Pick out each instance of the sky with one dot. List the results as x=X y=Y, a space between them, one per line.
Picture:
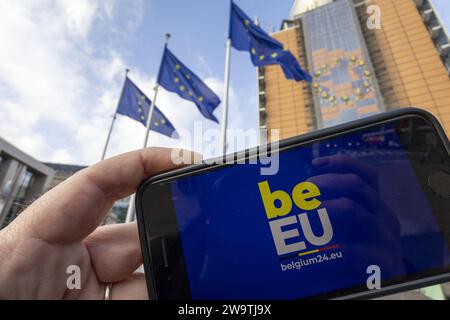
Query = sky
x=62 y=66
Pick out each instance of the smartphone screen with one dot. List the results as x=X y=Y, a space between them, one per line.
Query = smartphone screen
x=336 y=214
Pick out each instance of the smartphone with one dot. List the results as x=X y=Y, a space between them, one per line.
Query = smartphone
x=355 y=211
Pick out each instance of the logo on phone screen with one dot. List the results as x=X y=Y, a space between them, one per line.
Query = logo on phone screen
x=292 y=232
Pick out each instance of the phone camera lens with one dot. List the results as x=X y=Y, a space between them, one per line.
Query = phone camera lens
x=439 y=182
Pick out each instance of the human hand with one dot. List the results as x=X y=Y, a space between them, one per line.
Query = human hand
x=60 y=229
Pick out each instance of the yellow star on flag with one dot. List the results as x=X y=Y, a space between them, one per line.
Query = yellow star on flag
x=200 y=99
x=181 y=88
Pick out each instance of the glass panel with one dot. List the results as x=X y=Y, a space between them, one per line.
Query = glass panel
x=344 y=80
x=18 y=203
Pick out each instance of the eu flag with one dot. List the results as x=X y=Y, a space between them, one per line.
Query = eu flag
x=174 y=76
x=264 y=50
x=136 y=105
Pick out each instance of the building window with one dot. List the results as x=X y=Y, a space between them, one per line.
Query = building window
x=19 y=198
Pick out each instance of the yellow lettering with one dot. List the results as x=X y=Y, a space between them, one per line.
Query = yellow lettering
x=304 y=196
x=269 y=198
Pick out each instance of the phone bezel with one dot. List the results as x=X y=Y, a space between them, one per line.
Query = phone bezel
x=308 y=138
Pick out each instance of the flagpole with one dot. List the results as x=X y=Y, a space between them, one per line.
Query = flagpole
x=114 y=118
x=227 y=88
x=226 y=97
x=131 y=212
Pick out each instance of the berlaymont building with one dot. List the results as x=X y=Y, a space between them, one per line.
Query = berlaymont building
x=366 y=56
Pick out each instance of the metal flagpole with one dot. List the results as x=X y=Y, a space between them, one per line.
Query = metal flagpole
x=226 y=92
x=226 y=97
x=131 y=212
x=114 y=118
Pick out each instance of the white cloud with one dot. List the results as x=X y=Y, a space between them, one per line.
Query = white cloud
x=58 y=94
x=78 y=15
x=204 y=65
x=61 y=156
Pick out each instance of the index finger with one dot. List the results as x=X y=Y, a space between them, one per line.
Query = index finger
x=73 y=209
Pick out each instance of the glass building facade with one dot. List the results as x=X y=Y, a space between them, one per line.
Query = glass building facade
x=22 y=180
x=344 y=86
x=19 y=200
x=358 y=70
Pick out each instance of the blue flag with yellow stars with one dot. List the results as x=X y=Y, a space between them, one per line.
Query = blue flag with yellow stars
x=264 y=50
x=135 y=104
x=174 y=76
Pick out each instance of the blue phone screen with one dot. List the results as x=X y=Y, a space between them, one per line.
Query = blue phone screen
x=335 y=213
